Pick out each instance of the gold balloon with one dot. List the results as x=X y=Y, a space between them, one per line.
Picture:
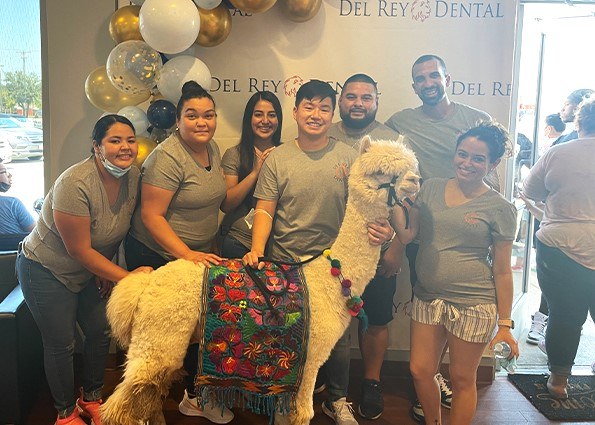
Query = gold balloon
x=253 y=6
x=104 y=95
x=215 y=25
x=145 y=147
x=124 y=24
x=300 y=10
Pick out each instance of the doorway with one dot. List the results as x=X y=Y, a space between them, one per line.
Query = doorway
x=555 y=59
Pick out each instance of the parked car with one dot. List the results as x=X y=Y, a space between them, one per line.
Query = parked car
x=26 y=142
x=5 y=149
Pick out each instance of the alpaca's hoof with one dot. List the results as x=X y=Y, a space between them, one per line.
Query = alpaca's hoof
x=282 y=419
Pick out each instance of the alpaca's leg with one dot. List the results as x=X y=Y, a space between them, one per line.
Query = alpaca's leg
x=304 y=400
x=157 y=418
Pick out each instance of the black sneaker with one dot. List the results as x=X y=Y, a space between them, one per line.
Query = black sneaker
x=372 y=403
x=417 y=412
x=445 y=391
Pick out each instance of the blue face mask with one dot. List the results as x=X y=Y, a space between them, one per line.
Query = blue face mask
x=114 y=170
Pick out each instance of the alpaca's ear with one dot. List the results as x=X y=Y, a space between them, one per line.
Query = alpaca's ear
x=364 y=144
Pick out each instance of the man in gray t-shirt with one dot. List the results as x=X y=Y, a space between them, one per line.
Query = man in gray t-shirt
x=358 y=104
x=303 y=185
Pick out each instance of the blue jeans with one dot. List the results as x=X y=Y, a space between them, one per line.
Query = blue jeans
x=232 y=248
x=336 y=369
x=569 y=289
x=56 y=311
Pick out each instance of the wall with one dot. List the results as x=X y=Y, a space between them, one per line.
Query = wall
x=75 y=40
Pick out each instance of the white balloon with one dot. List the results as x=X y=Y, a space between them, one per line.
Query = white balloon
x=133 y=66
x=207 y=4
x=190 y=51
x=179 y=70
x=169 y=26
x=137 y=117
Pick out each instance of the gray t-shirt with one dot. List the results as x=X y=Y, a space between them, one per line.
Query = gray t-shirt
x=452 y=262
x=198 y=193
x=434 y=141
x=234 y=221
x=564 y=178
x=79 y=191
x=376 y=130
x=311 y=193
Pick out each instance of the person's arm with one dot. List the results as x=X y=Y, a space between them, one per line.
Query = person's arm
x=535 y=208
x=261 y=230
x=534 y=184
x=501 y=253
x=238 y=190
x=154 y=204
x=390 y=262
x=75 y=232
x=25 y=220
x=406 y=228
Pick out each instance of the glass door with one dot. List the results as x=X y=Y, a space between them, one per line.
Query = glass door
x=555 y=59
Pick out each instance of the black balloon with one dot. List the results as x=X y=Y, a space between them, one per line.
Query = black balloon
x=162 y=114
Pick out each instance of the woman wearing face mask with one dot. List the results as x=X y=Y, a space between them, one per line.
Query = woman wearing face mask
x=65 y=266
x=14 y=217
x=181 y=192
x=261 y=133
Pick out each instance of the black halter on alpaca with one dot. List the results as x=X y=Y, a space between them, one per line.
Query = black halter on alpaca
x=393 y=200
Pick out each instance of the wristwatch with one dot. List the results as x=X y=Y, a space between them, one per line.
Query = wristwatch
x=509 y=323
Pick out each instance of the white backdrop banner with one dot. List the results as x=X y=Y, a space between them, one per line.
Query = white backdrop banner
x=381 y=38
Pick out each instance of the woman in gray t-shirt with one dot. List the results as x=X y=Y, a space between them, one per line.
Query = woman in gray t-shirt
x=65 y=266
x=181 y=192
x=261 y=133
x=460 y=292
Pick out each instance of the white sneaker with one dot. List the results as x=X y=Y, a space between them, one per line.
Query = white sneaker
x=538 y=325
x=340 y=411
x=541 y=345
x=214 y=413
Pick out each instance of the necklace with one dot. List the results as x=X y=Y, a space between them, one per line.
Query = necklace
x=354 y=303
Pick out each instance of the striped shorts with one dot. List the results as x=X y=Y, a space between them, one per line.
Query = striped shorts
x=472 y=324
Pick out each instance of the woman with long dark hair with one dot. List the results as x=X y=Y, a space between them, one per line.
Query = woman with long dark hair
x=261 y=133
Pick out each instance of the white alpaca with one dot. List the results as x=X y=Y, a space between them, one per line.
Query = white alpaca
x=154 y=314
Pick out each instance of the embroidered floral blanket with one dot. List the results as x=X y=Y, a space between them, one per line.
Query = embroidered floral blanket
x=254 y=341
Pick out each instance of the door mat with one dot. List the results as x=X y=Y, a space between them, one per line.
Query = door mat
x=580 y=405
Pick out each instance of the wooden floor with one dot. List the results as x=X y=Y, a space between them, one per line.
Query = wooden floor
x=498 y=404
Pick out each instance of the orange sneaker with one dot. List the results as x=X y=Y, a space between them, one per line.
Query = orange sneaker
x=89 y=409
x=73 y=419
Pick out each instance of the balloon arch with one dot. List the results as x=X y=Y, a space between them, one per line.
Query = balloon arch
x=153 y=57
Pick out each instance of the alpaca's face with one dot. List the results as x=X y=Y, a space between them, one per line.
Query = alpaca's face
x=385 y=170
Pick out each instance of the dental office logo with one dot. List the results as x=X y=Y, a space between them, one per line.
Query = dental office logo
x=292 y=85
x=421 y=10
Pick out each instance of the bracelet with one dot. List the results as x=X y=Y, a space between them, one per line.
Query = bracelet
x=260 y=210
x=393 y=236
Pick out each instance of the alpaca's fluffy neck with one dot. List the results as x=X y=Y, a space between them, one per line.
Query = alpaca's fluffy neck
x=358 y=258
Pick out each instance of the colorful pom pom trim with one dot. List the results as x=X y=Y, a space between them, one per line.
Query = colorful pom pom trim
x=354 y=303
